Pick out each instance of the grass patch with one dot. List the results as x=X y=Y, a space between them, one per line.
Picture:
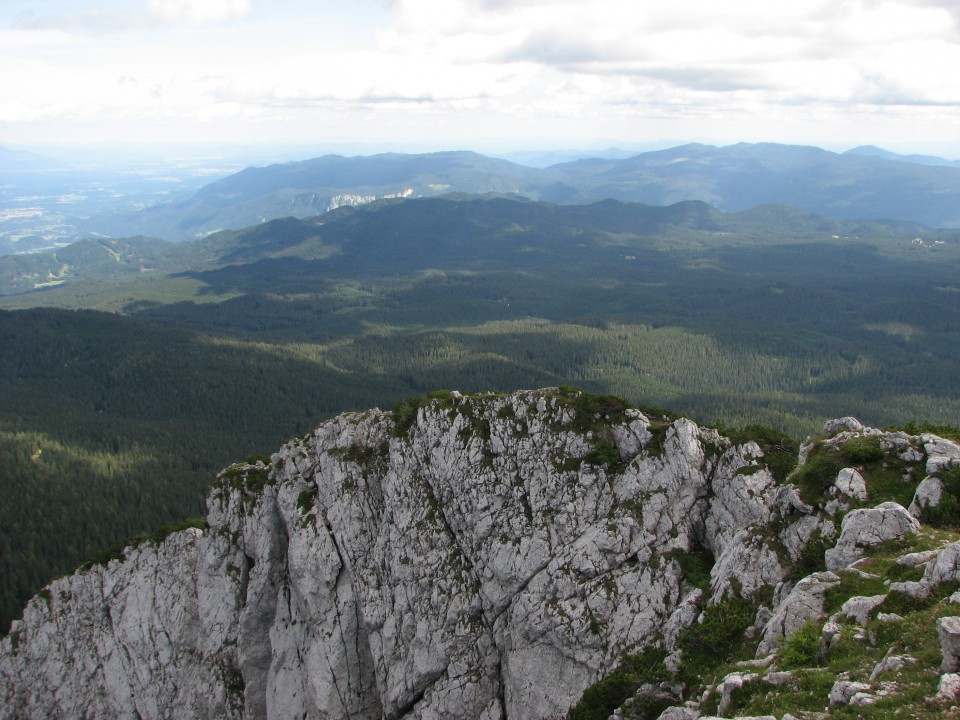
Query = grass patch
x=862 y=450
x=816 y=476
x=718 y=638
x=600 y=699
x=592 y=411
x=696 y=566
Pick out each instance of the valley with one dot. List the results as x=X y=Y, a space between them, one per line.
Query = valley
x=133 y=369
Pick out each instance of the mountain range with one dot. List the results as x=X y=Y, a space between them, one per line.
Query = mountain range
x=865 y=183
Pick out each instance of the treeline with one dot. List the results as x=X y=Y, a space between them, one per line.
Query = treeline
x=111 y=427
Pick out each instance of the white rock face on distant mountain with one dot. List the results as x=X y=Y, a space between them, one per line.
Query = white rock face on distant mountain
x=490 y=557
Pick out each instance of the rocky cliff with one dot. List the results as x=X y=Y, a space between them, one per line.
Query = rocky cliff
x=478 y=556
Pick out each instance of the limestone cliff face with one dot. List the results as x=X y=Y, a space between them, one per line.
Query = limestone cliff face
x=489 y=558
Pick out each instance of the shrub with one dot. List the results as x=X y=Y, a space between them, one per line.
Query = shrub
x=802 y=649
x=713 y=641
x=696 y=566
x=603 y=454
x=592 y=410
x=812 y=557
x=947 y=513
x=862 y=450
x=816 y=475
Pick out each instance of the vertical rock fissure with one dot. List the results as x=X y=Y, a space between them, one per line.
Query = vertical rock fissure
x=245 y=578
x=355 y=685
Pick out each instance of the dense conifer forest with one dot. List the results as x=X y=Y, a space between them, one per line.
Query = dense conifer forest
x=128 y=382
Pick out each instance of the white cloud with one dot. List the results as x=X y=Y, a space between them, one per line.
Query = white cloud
x=749 y=45
x=198 y=12
x=524 y=66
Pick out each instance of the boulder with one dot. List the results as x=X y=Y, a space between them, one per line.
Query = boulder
x=948 y=689
x=844 y=691
x=866 y=528
x=945 y=567
x=804 y=603
x=941 y=453
x=850 y=483
x=927 y=495
x=730 y=683
x=948 y=628
x=858 y=608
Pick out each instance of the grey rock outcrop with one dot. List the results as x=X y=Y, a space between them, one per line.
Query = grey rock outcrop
x=941 y=453
x=927 y=495
x=859 y=608
x=865 y=528
x=844 y=692
x=491 y=558
x=949 y=630
x=476 y=556
x=850 y=483
x=803 y=604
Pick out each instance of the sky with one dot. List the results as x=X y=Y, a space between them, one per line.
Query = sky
x=486 y=75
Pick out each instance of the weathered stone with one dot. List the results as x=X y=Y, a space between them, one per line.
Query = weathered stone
x=867 y=528
x=911 y=455
x=948 y=628
x=779 y=678
x=941 y=453
x=912 y=588
x=748 y=565
x=679 y=712
x=730 y=683
x=859 y=608
x=843 y=691
x=850 y=483
x=803 y=604
x=927 y=495
x=850 y=424
x=863 y=698
x=890 y=663
x=912 y=560
x=829 y=634
x=685 y=614
x=948 y=689
x=945 y=567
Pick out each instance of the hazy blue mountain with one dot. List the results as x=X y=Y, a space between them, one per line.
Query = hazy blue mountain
x=874 y=151
x=22 y=161
x=855 y=185
x=738 y=177
x=313 y=187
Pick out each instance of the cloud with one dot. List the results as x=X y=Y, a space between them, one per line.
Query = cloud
x=779 y=50
x=198 y=12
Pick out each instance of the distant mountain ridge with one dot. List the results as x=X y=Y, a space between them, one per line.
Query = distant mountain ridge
x=873 y=150
x=445 y=232
x=863 y=184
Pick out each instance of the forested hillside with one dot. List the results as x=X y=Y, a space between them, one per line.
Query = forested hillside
x=115 y=423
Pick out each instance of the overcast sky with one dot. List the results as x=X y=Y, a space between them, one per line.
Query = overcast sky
x=482 y=74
